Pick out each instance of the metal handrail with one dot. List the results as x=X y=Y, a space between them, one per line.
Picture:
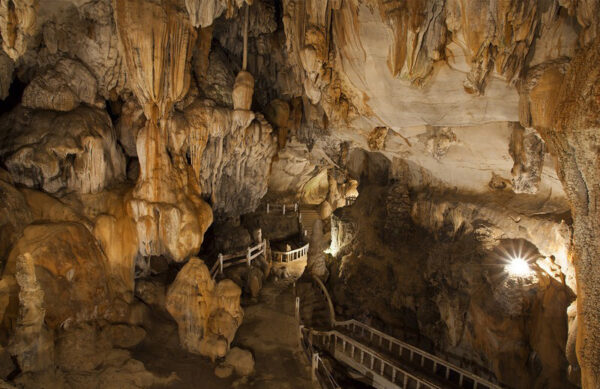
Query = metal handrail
x=326 y=379
x=383 y=362
x=293 y=255
x=462 y=373
x=423 y=354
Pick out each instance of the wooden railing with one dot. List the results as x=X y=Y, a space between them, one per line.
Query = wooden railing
x=247 y=256
x=290 y=256
x=350 y=200
x=427 y=361
x=282 y=208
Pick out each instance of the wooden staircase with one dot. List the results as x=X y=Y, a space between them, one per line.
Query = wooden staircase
x=308 y=215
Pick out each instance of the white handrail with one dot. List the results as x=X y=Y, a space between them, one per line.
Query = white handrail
x=369 y=364
x=282 y=207
x=350 y=200
x=247 y=256
x=462 y=373
x=326 y=382
x=289 y=256
x=415 y=350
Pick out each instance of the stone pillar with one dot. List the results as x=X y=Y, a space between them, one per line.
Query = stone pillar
x=316 y=257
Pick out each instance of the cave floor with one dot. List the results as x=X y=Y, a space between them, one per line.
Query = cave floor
x=269 y=330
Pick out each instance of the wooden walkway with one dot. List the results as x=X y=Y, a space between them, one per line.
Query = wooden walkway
x=384 y=361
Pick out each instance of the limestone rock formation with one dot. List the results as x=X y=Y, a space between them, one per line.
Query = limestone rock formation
x=454 y=290
x=115 y=230
x=70 y=268
x=203 y=13
x=235 y=166
x=6 y=74
x=130 y=122
x=207 y=314
x=84 y=32
x=315 y=264
x=14 y=213
x=73 y=151
x=62 y=88
x=570 y=130
x=216 y=81
x=32 y=342
x=171 y=216
x=18 y=25
x=242 y=361
x=468 y=127
x=527 y=150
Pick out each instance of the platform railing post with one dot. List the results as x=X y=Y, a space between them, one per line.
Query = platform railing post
x=267 y=208
x=221 y=263
x=284 y=209
x=248 y=260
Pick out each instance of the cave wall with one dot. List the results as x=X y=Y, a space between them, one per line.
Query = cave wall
x=436 y=277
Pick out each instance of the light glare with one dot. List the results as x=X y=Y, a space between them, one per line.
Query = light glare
x=518 y=267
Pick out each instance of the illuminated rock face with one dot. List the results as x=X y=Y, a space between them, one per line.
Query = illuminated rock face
x=569 y=124
x=454 y=289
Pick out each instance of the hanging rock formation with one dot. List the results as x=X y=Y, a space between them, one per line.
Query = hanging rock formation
x=157 y=42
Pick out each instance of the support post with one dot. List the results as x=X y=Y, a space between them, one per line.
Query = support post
x=267 y=208
x=314 y=365
x=284 y=209
x=295 y=207
x=298 y=309
x=221 y=263
x=248 y=255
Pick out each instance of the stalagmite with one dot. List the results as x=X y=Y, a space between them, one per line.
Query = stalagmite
x=315 y=264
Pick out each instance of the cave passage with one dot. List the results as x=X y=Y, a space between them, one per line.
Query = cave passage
x=299 y=194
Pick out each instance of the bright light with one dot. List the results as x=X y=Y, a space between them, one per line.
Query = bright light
x=518 y=267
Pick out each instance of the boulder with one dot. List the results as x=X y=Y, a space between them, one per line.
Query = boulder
x=124 y=336
x=242 y=361
x=223 y=371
